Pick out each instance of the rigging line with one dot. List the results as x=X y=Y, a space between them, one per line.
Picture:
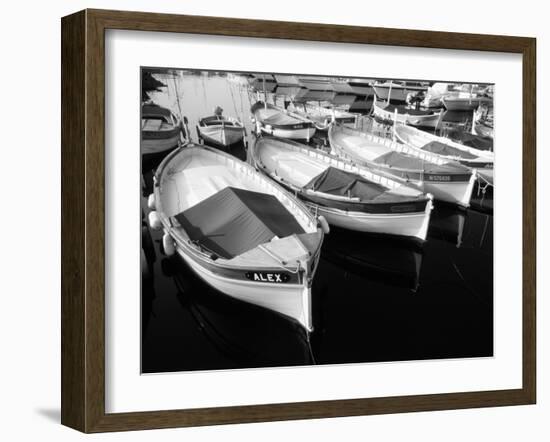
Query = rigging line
x=177 y=99
x=233 y=100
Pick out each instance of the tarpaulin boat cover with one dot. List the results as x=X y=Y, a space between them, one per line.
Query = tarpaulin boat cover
x=233 y=221
x=445 y=149
x=338 y=182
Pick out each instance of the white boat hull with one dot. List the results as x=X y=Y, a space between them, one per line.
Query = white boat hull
x=411 y=224
x=292 y=300
x=294 y=134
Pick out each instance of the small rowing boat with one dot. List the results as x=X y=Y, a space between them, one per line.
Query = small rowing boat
x=481 y=160
x=397 y=91
x=276 y=121
x=219 y=130
x=446 y=180
x=237 y=230
x=347 y=195
x=161 y=131
x=388 y=113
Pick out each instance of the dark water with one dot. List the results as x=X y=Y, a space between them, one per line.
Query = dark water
x=374 y=298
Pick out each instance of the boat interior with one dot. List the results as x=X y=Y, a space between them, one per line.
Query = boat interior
x=325 y=175
x=155 y=118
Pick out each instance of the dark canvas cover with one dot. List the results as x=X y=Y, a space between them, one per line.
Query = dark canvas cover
x=445 y=149
x=339 y=182
x=233 y=221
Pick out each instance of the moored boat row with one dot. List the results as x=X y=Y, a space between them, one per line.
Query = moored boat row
x=347 y=195
x=254 y=232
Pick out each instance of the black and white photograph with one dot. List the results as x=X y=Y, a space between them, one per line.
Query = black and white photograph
x=292 y=219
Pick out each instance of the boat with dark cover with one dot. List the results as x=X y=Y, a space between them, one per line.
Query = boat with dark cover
x=388 y=113
x=220 y=131
x=278 y=122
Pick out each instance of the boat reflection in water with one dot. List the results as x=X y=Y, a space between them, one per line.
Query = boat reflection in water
x=244 y=334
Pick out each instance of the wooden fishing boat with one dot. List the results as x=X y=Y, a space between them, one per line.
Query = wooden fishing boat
x=397 y=90
x=464 y=101
x=347 y=195
x=161 y=131
x=446 y=180
x=219 y=130
x=276 y=121
x=237 y=230
x=481 y=160
x=321 y=116
x=483 y=122
x=388 y=113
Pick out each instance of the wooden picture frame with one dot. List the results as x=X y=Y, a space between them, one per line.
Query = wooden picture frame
x=83 y=220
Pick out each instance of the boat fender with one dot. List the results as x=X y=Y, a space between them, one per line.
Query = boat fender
x=324 y=224
x=168 y=244
x=154 y=220
x=151 y=201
